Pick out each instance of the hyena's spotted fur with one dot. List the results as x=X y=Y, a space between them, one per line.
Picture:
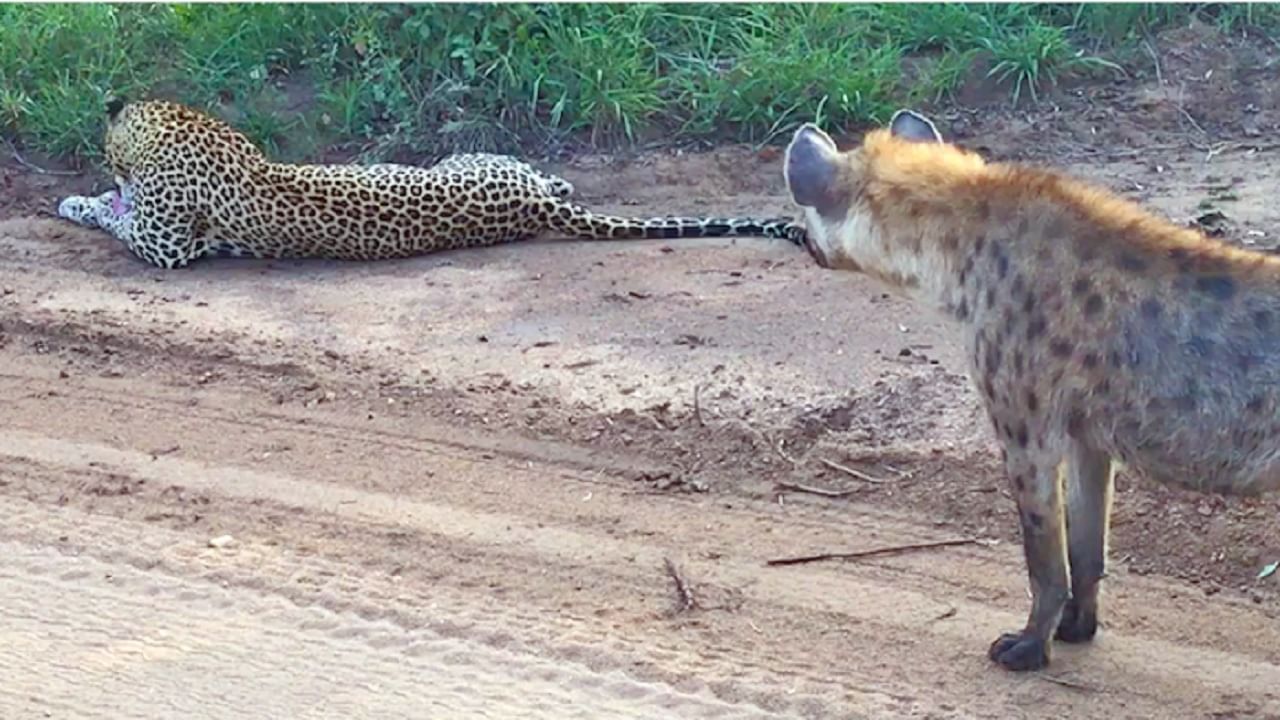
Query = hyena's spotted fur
x=1097 y=333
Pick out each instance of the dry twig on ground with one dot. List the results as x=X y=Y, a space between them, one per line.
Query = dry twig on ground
x=796 y=487
x=1064 y=682
x=876 y=552
x=697 y=405
x=851 y=472
x=798 y=462
x=17 y=156
x=683 y=589
x=777 y=447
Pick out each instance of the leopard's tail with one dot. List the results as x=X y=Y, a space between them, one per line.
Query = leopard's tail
x=582 y=224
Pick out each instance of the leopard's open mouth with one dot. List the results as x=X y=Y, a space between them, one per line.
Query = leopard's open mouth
x=120 y=206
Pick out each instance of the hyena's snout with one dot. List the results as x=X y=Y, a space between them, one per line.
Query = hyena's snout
x=815 y=251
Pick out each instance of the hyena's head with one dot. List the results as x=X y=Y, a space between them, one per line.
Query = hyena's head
x=886 y=206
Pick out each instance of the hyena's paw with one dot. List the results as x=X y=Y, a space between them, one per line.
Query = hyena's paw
x=1019 y=651
x=1078 y=624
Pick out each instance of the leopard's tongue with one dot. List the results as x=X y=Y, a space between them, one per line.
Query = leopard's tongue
x=118 y=205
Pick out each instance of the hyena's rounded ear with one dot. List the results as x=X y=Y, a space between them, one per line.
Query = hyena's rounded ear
x=812 y=167
x=913 y=126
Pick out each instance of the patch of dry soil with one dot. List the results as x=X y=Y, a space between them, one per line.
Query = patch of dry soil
x=452 y=484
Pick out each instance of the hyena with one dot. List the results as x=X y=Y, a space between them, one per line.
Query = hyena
x=1096 y=332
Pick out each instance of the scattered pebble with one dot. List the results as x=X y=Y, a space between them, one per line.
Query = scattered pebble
x=222 y=541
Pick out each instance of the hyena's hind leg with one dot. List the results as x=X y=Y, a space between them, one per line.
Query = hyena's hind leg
x=1090 y=478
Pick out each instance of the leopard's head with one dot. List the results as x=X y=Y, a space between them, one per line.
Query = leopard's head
x=121 y=138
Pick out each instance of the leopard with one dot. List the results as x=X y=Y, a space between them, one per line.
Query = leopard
x=1098 y=335
x=189 y=185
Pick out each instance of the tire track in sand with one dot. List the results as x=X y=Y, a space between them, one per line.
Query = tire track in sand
x=1146 y=672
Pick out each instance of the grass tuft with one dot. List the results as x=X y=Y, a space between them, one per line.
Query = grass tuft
x=389 y=79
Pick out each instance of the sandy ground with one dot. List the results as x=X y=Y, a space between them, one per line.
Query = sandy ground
x=543 y=480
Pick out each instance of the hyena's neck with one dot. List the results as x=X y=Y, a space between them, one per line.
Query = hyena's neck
x=944 y=254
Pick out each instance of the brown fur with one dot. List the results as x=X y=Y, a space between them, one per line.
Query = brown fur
x=1096 y=332
x=192 y=185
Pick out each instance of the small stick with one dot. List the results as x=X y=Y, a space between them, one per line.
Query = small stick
x=891 y=550
x=777 y=447
x=683 y=589
x=697 y=405
x=1182 y=89
x=905 y=474
x=1067 y=683
x=851 y=472
x=32 y=166
x=947 y=614
x=1155 y=59
x=1218 y=149
x=656 y=422
x=1192 y=120
x=796 y=487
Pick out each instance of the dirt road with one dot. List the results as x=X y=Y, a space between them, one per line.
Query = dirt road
x=542 y=481
x=410 y=539
x=391 y=567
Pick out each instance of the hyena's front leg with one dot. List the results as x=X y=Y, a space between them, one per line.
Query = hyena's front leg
x=1037 y=484
x=1090 y=478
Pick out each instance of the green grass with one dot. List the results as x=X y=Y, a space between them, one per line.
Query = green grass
x=436 y=78
x=1036 y=53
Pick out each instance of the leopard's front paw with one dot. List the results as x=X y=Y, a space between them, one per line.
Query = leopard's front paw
x=80 y=210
